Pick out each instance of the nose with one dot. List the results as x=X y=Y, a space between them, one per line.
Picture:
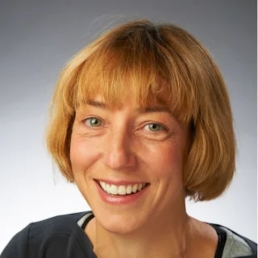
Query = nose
x=119 y=153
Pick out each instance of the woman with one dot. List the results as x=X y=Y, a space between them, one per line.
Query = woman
x=140 y=120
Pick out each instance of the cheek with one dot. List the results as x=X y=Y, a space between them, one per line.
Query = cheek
x=82 y=154
x=167 y=159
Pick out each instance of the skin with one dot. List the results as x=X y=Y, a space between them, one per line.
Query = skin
x=143 y=146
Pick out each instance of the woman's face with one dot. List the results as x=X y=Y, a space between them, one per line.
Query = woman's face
x=128 y=163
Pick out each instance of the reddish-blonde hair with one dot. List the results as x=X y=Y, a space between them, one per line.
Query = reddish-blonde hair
x=152 y=63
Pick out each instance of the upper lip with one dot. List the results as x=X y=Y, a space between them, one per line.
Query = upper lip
x=120 y=182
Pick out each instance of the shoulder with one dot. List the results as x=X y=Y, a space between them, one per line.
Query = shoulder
x=57 y=224
x=55 y=236
x=235 y=245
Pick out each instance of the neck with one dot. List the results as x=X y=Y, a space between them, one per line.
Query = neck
x=163 y=238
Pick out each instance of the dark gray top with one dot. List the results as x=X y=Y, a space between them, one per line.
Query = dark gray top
x=64 y=237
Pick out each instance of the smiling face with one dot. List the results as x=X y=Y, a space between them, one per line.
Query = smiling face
x=128 y=164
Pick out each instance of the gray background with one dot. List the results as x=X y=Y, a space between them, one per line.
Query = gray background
x=38 y=37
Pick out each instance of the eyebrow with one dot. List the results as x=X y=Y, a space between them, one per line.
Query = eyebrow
x=96 y=103
x=103 y=105
x=153 y=109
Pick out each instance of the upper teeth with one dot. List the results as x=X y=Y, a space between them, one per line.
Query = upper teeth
x=121 y=189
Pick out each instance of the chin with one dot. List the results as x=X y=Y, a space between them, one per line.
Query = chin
x=119 y=223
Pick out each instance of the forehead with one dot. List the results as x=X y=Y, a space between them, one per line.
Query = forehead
x=100 y=103
x=142 y=101
x=151 y=103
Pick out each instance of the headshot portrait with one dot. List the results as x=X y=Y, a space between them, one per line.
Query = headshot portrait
x=129 y=130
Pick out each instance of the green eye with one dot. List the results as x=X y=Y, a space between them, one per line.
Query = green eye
x=154 y=127
x=93 y=122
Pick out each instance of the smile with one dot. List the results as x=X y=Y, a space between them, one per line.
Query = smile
x=122 y=189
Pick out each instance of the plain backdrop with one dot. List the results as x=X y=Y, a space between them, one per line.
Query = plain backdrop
x=38 y=37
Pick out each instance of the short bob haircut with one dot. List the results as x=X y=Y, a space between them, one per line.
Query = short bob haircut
x=153 y=64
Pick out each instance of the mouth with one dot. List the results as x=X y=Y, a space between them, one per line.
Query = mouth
x=119 y=190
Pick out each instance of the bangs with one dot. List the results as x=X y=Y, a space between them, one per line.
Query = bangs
x=148 y=74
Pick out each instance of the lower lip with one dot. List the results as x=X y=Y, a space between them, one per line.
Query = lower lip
x=120 y=199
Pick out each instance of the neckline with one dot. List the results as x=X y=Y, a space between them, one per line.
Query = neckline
x=222 y=236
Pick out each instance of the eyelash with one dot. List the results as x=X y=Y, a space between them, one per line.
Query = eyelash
x=162 y=128
x=90 y=119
